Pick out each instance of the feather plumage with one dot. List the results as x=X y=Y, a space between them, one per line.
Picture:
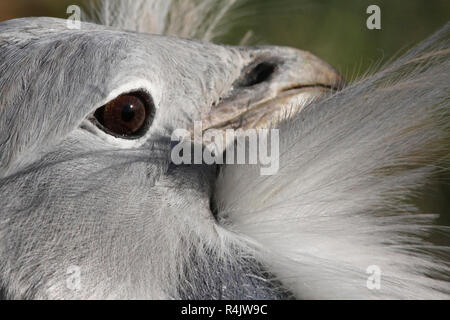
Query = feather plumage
x=348 y=165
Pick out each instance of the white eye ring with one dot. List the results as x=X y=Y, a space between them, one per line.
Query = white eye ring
x=139 y=85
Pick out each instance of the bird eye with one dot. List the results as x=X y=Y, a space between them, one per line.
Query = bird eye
x=127 y=116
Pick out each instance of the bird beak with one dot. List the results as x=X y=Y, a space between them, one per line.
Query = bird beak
x=275 y=84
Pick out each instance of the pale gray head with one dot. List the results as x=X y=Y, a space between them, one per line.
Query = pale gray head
x=99 y=192
x=86 y=182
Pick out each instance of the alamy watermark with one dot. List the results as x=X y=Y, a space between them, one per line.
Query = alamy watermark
x=374 y=20
x=73 y=280
x=252 y=146
x=74 y=20
x=374 y=280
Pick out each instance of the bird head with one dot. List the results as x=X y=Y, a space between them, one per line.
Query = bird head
x=87 y=179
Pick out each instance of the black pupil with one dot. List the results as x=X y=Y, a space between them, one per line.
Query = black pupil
x=128 y=113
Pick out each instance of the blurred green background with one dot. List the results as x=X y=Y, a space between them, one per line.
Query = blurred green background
x=335 y=30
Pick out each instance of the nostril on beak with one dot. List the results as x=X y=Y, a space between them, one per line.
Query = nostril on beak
x=257 y=73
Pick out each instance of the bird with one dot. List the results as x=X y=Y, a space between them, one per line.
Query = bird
x=93 y=207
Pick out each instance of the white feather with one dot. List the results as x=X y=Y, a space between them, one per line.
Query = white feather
x=347 y=166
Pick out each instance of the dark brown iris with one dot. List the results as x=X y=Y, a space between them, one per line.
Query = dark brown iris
x=126 y=115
